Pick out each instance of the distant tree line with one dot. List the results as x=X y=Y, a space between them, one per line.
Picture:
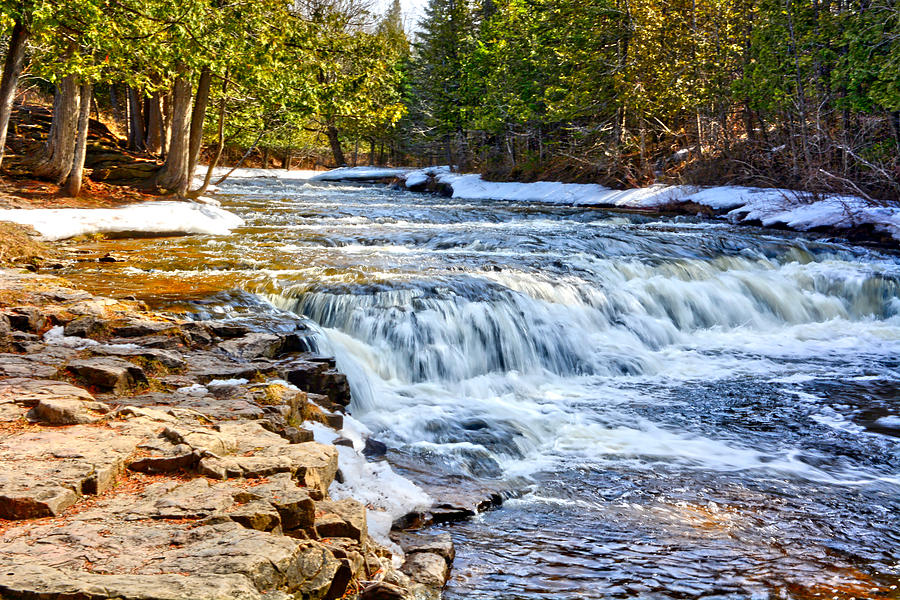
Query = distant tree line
x=802 y=93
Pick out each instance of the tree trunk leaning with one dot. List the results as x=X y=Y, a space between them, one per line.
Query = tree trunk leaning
x=174 y=174
x=76 y=175
x=59 y=151
x=197 y=117
x=12 y=68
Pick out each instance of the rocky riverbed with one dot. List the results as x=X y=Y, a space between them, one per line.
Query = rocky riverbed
x=145 y=457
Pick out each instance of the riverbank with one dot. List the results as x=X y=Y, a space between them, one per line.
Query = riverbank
x=849 y=217
x=148 y=457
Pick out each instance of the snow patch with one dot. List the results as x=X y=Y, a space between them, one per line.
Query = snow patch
x=56 y=337
x=769 y=206
x=360 y=173
x=149 y=217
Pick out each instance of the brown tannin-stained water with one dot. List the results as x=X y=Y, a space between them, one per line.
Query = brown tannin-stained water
x=673 y=408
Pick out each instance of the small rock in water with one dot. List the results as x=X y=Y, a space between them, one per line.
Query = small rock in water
x=374 y=448
x=109 y=257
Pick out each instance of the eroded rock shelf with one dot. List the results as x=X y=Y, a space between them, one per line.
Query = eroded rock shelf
x=143 y=457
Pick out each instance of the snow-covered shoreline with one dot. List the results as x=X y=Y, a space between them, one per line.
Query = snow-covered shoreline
x=149 y=218
x=770 y=207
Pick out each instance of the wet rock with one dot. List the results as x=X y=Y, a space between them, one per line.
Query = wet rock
x=426 y=568
x=205 y=367
x=440 y=544
x=227 y=329
x=110 y=257
x=445 y=513
x=342 y=441
x=374 y=448
x=110 y=373
x=318 y=378
x=341 y=519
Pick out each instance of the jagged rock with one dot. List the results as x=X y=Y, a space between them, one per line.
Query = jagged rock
x=198 y=333
x=84 y=327
x=29 y=392
x=319 y=378
x=166 y=464
x=341 y=519
x=382 y=591
x=109 y=373
x=5 y=330
x=297 y=435
x=444 y=513
x=37 y=582
x=26 y=318
x=254 y=345
x=206 y=366
x=427 y=569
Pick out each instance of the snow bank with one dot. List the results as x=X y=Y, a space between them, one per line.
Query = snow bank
x=360 y=174
x=769 y=206
x=281 y=174
x=146 y=218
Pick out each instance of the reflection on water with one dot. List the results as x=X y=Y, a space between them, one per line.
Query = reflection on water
x=675 y=409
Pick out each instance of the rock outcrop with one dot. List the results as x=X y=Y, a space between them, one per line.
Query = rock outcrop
x=147 y=458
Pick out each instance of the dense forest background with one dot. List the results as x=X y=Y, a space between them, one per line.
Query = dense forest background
x=800 y=94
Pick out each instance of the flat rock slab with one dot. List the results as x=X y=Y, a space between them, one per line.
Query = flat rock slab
x=37 y=582
x=44 y=471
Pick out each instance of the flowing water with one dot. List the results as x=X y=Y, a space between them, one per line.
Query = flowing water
x=673 y=408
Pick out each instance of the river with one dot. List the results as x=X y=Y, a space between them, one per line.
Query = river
x=673 y=408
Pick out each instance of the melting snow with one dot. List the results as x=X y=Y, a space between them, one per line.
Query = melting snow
x=769 y=206
x=149 y=217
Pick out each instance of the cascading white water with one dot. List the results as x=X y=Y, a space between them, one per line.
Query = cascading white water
x=678 y=408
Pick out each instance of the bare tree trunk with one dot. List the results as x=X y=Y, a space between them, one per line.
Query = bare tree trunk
x=154 y=137
x=135 y=121
x=59 y=151
x=197 y=117
x=335 y=141
x=12 y=68
x=174 y=175
x=220 y=144
x=371 y=151
x=167 y=122
x=76 y=175
x=265 y=158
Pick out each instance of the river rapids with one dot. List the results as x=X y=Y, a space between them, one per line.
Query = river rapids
x=672 y=408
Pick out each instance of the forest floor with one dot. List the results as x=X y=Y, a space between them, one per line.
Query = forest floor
x=27 y=192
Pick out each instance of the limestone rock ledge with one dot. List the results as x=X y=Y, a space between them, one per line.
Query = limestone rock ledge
x=144 y=458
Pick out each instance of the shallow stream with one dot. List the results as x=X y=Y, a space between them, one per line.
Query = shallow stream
x=673 y=408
